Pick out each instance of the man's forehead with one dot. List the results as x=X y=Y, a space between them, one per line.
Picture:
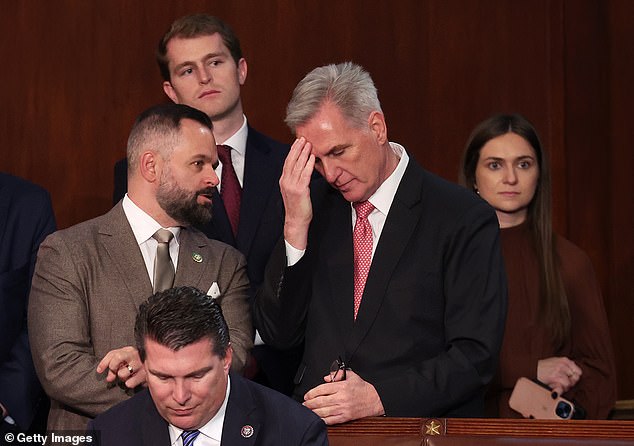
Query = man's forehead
x=203 y=45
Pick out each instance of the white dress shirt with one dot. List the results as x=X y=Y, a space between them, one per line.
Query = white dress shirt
x=143 y=226
x=238 y=144
x=210 y=433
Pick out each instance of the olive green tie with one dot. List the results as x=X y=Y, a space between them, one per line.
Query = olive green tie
x=163 y=266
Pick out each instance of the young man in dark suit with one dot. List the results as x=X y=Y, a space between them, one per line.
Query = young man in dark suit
x=392 y=277
x=202 y=66
x=26 y=218
x=192 y=398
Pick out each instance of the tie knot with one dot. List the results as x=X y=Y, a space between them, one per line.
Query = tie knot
x=189 y=437
x=363 y=208
x=163 y=235
x=224 y=154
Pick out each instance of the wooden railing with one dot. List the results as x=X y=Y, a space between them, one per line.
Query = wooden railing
x=415 y=430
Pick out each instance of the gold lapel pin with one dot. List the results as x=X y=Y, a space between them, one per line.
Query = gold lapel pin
x=197 y=257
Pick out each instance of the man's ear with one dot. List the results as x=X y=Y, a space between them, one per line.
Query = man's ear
x=170 y=92
x=150 y=164
x=228 y=359
x=242 y=71
x=377 y=125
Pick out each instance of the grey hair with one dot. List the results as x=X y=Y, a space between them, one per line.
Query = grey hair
x=346 y=85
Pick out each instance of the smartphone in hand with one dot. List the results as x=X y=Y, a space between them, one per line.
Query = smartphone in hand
x=536 y=400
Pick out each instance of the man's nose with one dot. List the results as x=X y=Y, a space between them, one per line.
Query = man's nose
x=181 y=393
x=204 y=74
x=211 y=178
x=329 y=171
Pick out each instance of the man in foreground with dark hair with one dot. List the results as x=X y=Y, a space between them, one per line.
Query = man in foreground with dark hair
x=192 y=398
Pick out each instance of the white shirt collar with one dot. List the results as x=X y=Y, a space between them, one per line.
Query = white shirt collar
x=238 y=141
x=384 y=196
x=212 y=429
x=143 y=226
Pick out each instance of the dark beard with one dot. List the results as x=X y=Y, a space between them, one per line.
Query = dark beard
x=182 y=206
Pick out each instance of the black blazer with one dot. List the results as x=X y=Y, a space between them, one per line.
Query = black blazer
x=431 y=320
x=276 y=420
x=261 y=208
x=26 y=218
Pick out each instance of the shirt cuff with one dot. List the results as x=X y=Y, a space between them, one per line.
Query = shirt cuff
x=293 y=255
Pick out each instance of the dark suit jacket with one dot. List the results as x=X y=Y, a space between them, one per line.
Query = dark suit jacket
x=431 y=320
x=26 y=218
x=261 y=208
x=275 y=418
x=88 y=283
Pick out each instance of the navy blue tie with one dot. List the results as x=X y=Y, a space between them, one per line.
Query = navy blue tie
x=189 y=437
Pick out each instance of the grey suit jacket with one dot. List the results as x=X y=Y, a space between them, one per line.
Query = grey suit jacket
x=88 y=284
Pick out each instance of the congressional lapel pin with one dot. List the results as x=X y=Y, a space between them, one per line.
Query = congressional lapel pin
x=197 y=257
x=246 y=431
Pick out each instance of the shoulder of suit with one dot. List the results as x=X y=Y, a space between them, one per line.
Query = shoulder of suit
x=257 y=138
x=447 y=194
x=80 y=232
x=199 y=238
x=274 y=403
x=22 y=191
x=129 y=408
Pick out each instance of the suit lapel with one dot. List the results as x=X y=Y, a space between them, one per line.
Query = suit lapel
x=219 y=228
x=402 y=219
x=118 y=240
x=243 y=419
x=337 y=243
x=260 y=180
x=193 y=259
x=154 y=430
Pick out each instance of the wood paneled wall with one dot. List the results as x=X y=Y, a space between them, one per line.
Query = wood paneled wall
x=75 y=74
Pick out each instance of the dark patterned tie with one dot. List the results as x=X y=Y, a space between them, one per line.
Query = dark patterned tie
x=189 y=437
x=230 y=189
x=362 y=243
x=163 y=266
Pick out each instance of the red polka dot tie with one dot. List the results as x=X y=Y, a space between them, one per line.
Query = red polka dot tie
x=230 y=189
x=362 y=242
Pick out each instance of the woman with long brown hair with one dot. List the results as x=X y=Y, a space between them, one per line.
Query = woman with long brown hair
x=556 y=327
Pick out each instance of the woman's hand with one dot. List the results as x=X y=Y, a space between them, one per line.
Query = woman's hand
x=559 y=373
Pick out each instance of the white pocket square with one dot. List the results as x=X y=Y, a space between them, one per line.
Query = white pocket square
x=214 y=291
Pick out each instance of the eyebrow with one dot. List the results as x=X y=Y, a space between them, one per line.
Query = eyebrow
x=496 y=158
x=205 y=57
x=202 y=371
x=338 y=147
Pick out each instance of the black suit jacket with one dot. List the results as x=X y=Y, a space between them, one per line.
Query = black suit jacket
x=261 y=208
x=431 y=320
x=26 y=218
x=275 y=418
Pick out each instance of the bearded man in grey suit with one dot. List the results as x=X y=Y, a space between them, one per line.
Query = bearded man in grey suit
x=91 y=278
